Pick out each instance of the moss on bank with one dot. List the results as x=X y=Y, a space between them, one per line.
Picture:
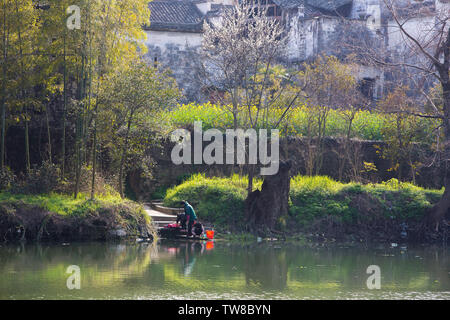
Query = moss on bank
x=61 y=217
x=318 y=205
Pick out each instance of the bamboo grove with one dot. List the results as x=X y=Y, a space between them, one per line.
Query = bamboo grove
x=90 y=81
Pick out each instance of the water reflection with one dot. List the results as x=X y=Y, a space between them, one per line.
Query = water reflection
x=185 y=253
x=266 y=267
x=177 y=270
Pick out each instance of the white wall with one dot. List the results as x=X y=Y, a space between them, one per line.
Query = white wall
x=303 y=36
x=419 y=28
x=163 y=38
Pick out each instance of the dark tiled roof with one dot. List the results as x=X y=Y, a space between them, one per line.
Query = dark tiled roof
x=328 y=5
x=288 y=4
x=217 y=10
x=175 y=16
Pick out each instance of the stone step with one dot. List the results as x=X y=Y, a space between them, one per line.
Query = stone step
x=164 y=222
x=167 y=210
x=163 y=218
x=157 y=205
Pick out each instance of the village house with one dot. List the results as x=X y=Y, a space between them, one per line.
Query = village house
x=312 y=27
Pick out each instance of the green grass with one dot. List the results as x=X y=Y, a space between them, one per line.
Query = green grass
x=69 y=218
x=313 y=198
x=66 y=205
x=221 y=200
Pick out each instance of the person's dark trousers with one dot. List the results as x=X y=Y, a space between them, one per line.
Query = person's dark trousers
x=190 y=224
x=182 y=219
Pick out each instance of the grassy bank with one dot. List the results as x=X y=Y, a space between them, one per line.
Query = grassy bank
x=318 y=205
x=218 y=200
x=61 y=217
x=317 y=197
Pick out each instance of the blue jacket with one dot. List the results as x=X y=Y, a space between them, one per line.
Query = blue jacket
x=189 y=211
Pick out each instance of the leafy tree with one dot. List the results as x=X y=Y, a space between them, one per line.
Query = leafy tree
x=240 y=57
x=330 y=84
x=430 y=62
x=132 y=95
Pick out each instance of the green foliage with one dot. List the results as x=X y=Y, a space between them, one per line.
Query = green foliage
x=218 y=200
x=159 y=193
x=44 y=64
x=404 y=200
x=66 y=205
x=129 y=101
x=367 y=125
x=318 y=197
x=7 y=178
x=331 y=83
x=402 y=130
x=43 y=179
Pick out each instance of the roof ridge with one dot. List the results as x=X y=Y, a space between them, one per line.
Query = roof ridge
x=175 y=15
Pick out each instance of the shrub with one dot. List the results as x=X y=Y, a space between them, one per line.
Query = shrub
x=102 y=185
x=7 y=178
x=312 y=200
x=39 y=180
x=367 y=125
x=217 y=200
x=318 y=197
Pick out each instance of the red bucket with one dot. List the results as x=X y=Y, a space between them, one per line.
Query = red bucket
x=210 y=234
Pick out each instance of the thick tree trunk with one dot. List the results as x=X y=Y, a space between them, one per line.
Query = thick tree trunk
x=441 y=210
x=265 y=207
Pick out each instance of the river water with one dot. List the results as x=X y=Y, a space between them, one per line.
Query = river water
x=220 y=270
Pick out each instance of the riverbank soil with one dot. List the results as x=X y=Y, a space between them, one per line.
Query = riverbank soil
x=21 y=221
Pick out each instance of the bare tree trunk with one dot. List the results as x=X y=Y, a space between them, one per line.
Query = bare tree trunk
x=48 y=136
x=27 y=144
x=94 y=162
x=123 y=157
x=63 y=142
x=79 y=130
x=3 y=106
x=251 y=174
x=94 y=145
x=77 y=159
x=441 y=63
x=22 y=93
